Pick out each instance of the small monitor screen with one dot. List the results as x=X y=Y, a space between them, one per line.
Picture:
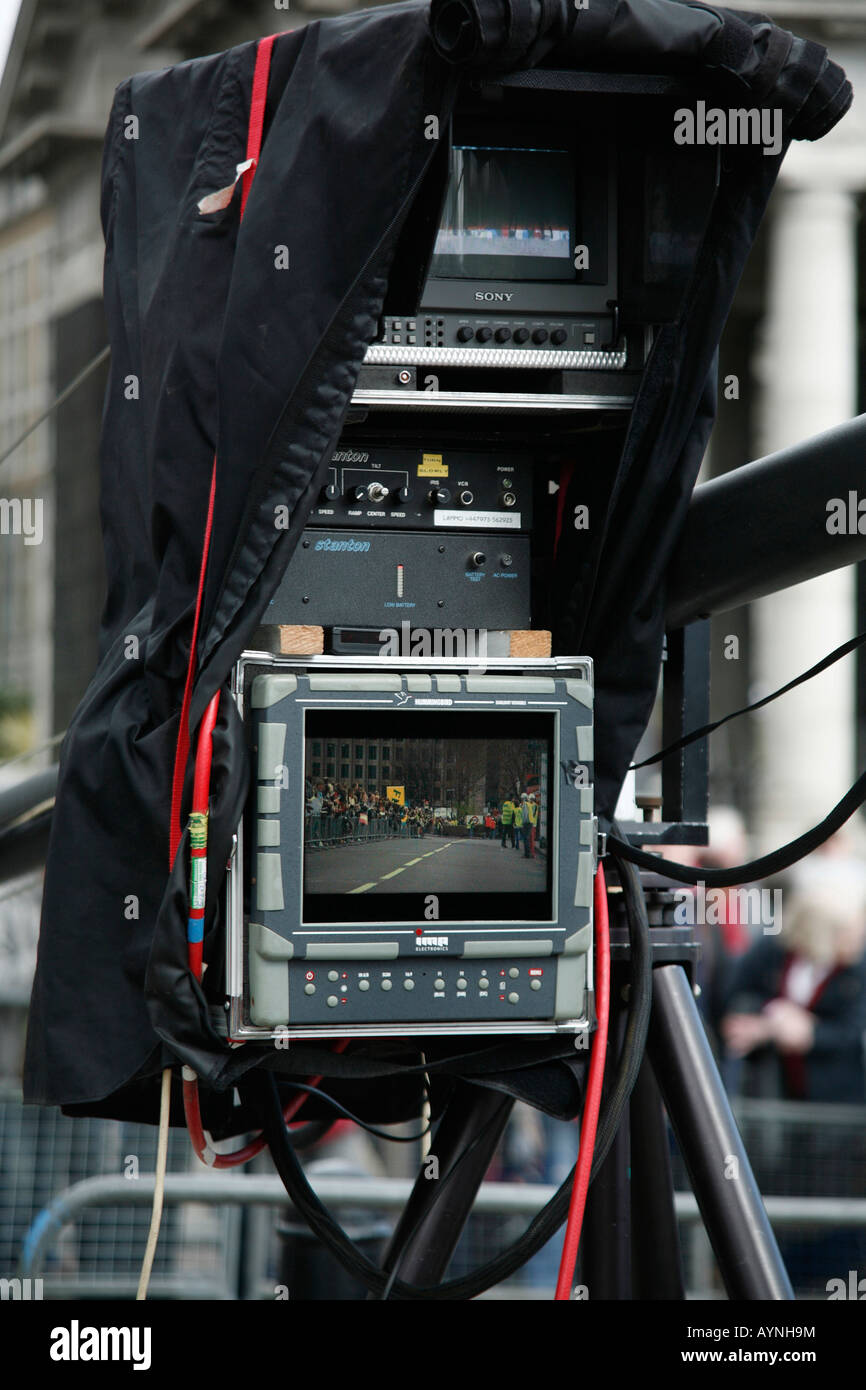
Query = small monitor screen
x=509 y=215
x=407 y=806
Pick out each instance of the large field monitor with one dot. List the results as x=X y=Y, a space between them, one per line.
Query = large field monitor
x=418 y=848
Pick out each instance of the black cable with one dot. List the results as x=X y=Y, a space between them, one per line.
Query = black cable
x=362 y=1124
x=64 y=396
x=313 y=1132
x=846 y=648
x=772 y=863
x=545 y=1224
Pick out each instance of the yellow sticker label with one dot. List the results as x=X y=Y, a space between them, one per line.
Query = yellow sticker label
x=396 y=794
x=431 y=466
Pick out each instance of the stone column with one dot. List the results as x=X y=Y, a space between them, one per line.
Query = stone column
x=806 y=371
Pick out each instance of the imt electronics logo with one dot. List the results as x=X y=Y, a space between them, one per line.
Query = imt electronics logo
x=431 y=943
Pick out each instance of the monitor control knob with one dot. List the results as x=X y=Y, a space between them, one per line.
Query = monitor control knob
x=540 y=335
x=521 y=335
x=484 y=335
x=359 y=493
x=377 y=492
x=464 y=333
x=502 y=335
x=478 y=559
x=330 y=492
x=558 y=336
x=403 y=494
x=438 y=495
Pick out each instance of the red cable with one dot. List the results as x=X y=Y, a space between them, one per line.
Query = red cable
x=201 y=788
x=182 y=750
x=593 y=1093
x=192 y=1113
x=254 y=144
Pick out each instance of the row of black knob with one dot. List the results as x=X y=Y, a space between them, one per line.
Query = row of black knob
x=378 y=493
x=502 y=335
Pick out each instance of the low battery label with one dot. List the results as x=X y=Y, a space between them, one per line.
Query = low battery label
x=472 y=521
x=431 y=466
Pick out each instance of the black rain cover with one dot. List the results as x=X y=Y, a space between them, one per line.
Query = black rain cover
x=217 y=350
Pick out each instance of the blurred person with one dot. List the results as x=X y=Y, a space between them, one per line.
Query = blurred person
x=798 y=1009
x=724 y=936
x=507 y=821
x=517 y=824
x=532 y=825
x=800 y=996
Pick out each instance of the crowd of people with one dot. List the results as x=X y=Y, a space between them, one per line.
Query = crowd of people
x=339 y=815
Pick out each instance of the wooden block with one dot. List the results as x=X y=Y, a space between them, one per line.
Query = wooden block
x=526 y=643
x=296 y=640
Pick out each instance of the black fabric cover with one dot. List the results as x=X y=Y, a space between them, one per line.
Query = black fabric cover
x=216 y=350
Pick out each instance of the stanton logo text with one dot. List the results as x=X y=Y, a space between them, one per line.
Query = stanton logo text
x=328 y=544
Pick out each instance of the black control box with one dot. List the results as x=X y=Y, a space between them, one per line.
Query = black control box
x=389 y=488
x=435 y=536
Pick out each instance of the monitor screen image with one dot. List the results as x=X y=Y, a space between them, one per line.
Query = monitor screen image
x=509 y=215
x=403 y=806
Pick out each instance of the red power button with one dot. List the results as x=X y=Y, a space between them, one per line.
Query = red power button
x=310 y=975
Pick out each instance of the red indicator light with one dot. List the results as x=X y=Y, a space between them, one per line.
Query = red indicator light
x=502 y=996
x=419 y=931
x=344 y=1001
x=345 y=975
x=310 y=975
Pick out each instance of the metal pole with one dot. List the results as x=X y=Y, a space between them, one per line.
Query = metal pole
x=429 y=1228
x=657 y=1268
x=706 y=1131
x=763 y=527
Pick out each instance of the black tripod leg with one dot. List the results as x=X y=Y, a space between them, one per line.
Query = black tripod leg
x=706 y=1131
x=605 y=1264
x=657 y=1271
x=429 y=1228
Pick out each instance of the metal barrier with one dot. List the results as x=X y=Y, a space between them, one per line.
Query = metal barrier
x=323 y=832
x=499 y=1198
x=43 y=1152
x=89 y=1240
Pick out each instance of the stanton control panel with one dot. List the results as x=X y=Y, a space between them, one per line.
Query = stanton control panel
x=389 y=488
x=436 y=536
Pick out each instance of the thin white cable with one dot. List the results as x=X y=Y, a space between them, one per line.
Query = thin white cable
x=158 y=1187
